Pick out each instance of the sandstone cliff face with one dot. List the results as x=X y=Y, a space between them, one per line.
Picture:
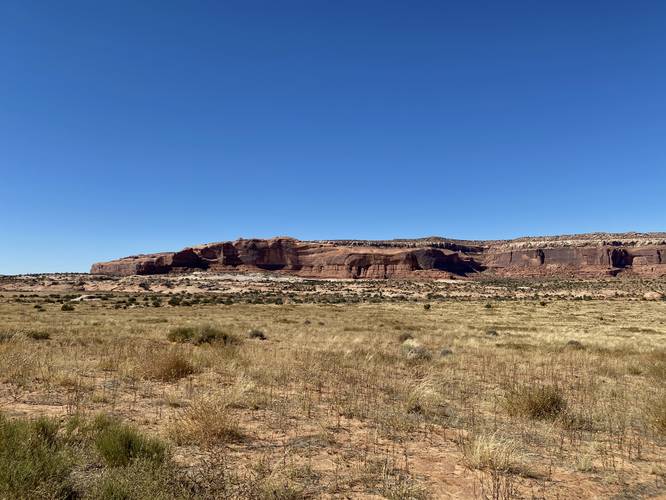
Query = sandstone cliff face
x=579 y=260
x=136 y=264
x=302 y=258
x=582 y=255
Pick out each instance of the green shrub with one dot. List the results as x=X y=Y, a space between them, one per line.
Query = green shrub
x=67 y=307
x=119 y=445
x=181 y=334
x=138 y=481
x=33 y=461
x=539 y=402
x=201 y=334
x=46 y=430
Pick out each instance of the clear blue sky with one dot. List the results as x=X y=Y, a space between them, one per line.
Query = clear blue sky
x=139 y=126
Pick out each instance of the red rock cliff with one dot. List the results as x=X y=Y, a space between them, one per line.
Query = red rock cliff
x=581 y=255
x=303 y=258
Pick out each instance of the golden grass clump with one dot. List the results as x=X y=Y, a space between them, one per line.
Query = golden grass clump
x=415 y=352
x=426 y=398
x=168 y=365
x=208 y=421
x=17 y=362
x=494 y=453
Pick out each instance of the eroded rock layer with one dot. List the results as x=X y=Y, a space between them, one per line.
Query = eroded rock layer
x=580 y=255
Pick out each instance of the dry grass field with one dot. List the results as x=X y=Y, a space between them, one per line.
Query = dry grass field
x=138 y=395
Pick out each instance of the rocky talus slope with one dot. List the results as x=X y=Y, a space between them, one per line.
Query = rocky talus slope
x=589 y=255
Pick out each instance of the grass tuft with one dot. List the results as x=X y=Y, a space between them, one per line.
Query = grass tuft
x=414 y=351
x=256 y=334
x=494 y=453
x=657 y=413
x=168 y=366
x=206 y=422
x=536 y=402
x=202 y=334
x=119 y=445
x=7 y=337
x=33 y=462
x=574 y=345
x=38 y=335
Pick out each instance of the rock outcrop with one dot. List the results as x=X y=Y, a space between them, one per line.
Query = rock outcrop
x=316 y=259
x=580 y=255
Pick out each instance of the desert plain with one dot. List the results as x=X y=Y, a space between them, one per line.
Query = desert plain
x=228 y=385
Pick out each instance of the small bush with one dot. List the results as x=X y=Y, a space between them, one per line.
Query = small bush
x=426 y=398
x=139 y=480
x=46 y=430
x=120 y=444
x=256 y=334
x=207 y=421
x=33 y=462
x=31 y=334
x=38 y=335
x=201 y=334
x=169 y=366
x=67 y=307
x=181 y=334
x=574 y=345
x=414 y=351
x=541 y=402
x=490 y=452
x=426 y=307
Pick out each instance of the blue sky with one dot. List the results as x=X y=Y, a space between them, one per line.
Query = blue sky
x=140 y=126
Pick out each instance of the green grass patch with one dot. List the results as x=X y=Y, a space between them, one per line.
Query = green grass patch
x=34 y=462
x=119 y=445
